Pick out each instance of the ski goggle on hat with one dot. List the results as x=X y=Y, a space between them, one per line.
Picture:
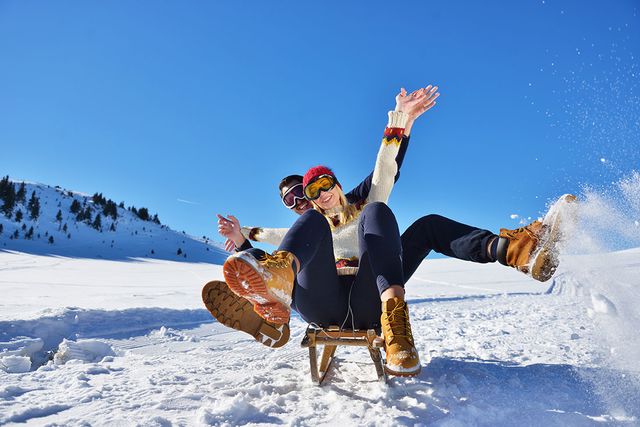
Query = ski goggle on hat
x=318 y=184
x=292 y=196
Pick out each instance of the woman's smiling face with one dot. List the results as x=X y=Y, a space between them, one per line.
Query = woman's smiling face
x=328 y=199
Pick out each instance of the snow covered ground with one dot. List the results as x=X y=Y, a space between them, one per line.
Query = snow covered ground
x=133 y=345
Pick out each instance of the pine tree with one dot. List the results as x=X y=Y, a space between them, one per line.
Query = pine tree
x=8 y=196
x=34 y=206
x=97 y=223
x=19 y=216
x=51 y=240
x=110 y=209
x=1 y=228
x=179 y=251
x=22 y=193
x=75 y=206
x=59 y=216
x=113 y=227
x=64 y=227
x=86 y=215
x=29 y=234
x=143 y=214
x=99 y=199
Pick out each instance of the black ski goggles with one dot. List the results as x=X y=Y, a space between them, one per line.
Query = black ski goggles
x=319 y=184
x=293 y=196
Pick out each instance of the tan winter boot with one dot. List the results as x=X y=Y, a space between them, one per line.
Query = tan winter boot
x=532 y=249
x=266 y=282
x=237 y=313
x=402 y=356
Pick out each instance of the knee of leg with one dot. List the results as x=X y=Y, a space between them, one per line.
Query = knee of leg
x=430 y=220
x=311 y=215
x=315 y=218
x=377 y=207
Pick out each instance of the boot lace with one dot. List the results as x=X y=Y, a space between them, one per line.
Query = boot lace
x=398 y=325
x=511 y=234
x=279 y=259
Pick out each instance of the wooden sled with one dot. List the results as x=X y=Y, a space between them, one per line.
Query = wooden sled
x=332 y=337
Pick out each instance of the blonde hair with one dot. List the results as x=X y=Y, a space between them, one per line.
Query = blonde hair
x=346 y=213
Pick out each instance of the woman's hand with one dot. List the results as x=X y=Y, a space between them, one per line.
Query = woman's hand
x=230 y=228
x=417 y=102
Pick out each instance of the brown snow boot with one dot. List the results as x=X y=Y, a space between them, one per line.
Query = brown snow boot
x=402 y=356
x=266 y=281
x=533 y=249
x=237 y=313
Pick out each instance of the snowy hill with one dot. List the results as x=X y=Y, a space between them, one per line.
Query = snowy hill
x=78 y=225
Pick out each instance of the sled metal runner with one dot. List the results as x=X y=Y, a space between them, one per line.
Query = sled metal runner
x=332 y=337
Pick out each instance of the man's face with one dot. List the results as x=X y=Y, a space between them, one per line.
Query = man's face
x=302 y=205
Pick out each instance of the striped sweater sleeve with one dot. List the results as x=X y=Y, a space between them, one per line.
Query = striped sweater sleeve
x=272 y=236
x=386 y=167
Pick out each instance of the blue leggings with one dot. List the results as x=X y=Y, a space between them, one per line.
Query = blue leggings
x=322 y=297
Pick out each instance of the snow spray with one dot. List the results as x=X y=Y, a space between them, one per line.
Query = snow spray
x=608 y=220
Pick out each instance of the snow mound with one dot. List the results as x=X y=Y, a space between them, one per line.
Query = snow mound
x=15 y=364
x=84 y=350
x=38 y=338
x=16 y=355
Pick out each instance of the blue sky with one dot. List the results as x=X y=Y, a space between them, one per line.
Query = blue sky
x=194 y=108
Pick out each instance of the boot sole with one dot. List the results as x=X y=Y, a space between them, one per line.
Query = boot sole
x=402 y=374
x=236 y=312
x=545 y=262
x=245 y=281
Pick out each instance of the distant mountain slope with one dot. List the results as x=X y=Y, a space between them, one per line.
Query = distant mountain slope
x=40 y=219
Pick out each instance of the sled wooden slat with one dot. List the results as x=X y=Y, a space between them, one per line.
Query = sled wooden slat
x=331 y=338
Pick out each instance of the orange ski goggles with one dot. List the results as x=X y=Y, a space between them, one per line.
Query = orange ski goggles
x=319 y=184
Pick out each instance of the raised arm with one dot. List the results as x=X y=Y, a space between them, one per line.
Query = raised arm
x=361 y=191
x=272 y=236
x=416 y=104
x=238 y=237
x=386 y=168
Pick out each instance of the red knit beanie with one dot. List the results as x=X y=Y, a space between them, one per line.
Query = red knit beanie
x=315 y=172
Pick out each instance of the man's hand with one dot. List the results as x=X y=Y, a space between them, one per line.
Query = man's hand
x=230 y=228
x=417 y=102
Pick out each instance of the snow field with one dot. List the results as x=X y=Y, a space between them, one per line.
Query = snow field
x=502 y=351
